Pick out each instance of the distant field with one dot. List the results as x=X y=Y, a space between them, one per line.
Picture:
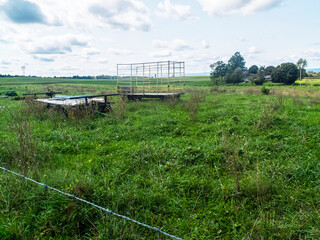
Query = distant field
x=26 y=84
x=39 y=80
x=197 y=80
x=309 y=81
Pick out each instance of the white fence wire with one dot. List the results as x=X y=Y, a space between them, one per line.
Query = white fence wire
x=158 y=230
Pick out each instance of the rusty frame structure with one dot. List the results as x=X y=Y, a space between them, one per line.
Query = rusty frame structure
x=153 y=78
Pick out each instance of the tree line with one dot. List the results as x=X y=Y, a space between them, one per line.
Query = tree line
x=235 y=72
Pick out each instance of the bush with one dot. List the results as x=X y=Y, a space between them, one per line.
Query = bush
x=265 y=91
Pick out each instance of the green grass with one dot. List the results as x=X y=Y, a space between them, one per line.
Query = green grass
x=170 y=164
x=307 y=81
x=76 y=86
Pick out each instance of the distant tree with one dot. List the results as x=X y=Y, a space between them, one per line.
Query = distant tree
x=237 y=76
x=301 y=64
x=260 y=79
x=236 y=61
x=227 y=78
x=253 y=69
x=218 y=71
x=253 y=78
x=269 y=70
x=286 y=73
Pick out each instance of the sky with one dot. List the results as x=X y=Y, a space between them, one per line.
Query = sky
x=90 y=37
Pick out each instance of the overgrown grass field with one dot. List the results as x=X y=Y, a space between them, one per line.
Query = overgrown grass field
x=220 y=163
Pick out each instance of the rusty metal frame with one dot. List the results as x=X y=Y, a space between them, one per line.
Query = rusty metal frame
x=151 y=77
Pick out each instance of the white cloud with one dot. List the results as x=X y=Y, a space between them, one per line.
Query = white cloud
x=312 y=56
x=57 y=44
x=180 y=45
x=176 y=45
x=5 y=63
x=118 y=51
x=313 y=53
x=122 y=14
x=103 y=60
x=117 y=14
x=245 y=7
x=175 y=11
x=205 y=44
x=160 y=54
x=44 y=59
x=254 y=50
x=160 y=44
x=91 y=51
x=11 y=33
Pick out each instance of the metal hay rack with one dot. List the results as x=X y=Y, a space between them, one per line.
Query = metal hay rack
x=151 y=79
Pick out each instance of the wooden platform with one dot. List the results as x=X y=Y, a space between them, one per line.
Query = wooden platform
x=132 y=96
x=62 y=100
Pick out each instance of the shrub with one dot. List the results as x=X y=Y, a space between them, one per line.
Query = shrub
x=265 y=91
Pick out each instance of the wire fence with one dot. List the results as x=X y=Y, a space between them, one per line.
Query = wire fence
x=46 y=187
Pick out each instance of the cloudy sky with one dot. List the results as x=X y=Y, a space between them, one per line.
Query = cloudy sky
x=89 y=37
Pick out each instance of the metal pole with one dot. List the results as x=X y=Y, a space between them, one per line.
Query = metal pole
x=168 y=75
x=117 y=77
x=157 y=78
x=184 y=73
x=180 y=67
x=143 y=78
x=174 y=70
x=149 y=79
x=161 y=78
x=131 y=79
x=136 y=77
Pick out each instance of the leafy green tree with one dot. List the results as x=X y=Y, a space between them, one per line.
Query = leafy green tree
x=218 y=71
x=286 y=73
x=301 y=64
x=237 y=76
x=227 y=78
x=269 y=70
x=236 y=61
x=253 y=69
x=260 y=76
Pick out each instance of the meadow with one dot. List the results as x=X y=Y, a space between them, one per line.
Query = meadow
x=223 y=162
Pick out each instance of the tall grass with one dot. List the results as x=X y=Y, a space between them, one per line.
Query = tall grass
x=161 y=169
x=193 y=104
x=23 y=148
x=120 y=107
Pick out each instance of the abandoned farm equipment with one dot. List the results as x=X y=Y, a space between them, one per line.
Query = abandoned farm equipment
x=99 y=103
x=135 y=81
x=151 y=79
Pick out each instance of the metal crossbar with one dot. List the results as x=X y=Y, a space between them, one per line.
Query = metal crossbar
x=158 y=230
